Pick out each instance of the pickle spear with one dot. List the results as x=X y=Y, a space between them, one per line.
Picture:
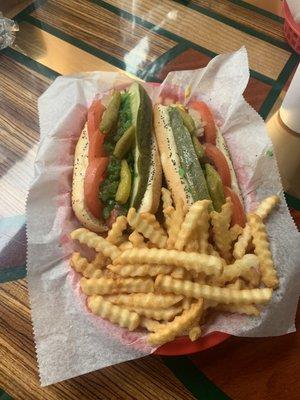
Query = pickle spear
x=124 y=187
x=110 y=116
x=188 y=157
x=215 y=187
x=141 y=109
x=188 y=121
x=124 y=143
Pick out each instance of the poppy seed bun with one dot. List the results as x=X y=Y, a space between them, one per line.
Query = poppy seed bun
x=78 y=204
x=151 y=197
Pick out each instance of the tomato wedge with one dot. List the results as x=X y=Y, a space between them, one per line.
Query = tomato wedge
x=94 y=175
x=210 y=130
x=219 y=161
x=96 y=138
x=238 y=215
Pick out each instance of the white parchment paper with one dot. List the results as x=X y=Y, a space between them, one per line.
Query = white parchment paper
x=70 y=341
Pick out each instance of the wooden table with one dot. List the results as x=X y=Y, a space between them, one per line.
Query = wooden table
x=147 y=38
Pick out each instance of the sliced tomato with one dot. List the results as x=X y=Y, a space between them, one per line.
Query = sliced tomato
x=210 y=130
x=96 y=138
x=219 y=161
x=94 y=175
x=238 y=215
x=96 y=145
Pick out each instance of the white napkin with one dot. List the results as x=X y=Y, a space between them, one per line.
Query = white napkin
x=294 y=6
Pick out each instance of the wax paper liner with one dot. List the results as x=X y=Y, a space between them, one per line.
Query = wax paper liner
x=70 y=341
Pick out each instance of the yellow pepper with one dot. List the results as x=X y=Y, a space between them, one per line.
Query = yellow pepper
x=124 y=188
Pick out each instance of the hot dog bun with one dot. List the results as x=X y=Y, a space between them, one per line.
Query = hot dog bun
x=78 y=203
x=150 y=200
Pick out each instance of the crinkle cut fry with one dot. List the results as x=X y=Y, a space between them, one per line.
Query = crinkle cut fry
x=81 y=265
x=176 y=218
x=241 y=245
x=117 y=229
x=180 y=323
x=150 y=324
x=133 y=270
x=190 y=222
x=159 y=314
x=104 y=285
x=167 y=284
x=145 y=300
x=248 y=309
x=245 y=267
x=266 y=206
x=203 y=232
x=210 y=265
x=146 y=224
x=262 y=250
x=221 y=224
x=96 y=242
x=115 y=314
x=137 y=239
x=263 y=211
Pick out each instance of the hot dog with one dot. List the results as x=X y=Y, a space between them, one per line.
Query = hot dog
x=116 y=163
x=194 y=157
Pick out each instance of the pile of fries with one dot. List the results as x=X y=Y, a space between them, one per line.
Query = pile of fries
x=166 y=277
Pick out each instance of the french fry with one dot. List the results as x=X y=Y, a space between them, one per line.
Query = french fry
x=262 y=250
x=178 y=273
x=190 y=222
x=186 y=303
x=137 y=239
x=159 y=314
x=133 y=270
x=105 y=285
x=241 y=245
x=125 y=245
x=192 y=245
x=238 y=284
x=248 y=309
x=220 y=224
x=96 y=242
x=180 y=323
x=263 y=211
x=118 y=227
x=245 y=267
x=117 y=315
x=145 y=300
x=212 y=251
x=146 y=224
x=266 y=206
x=235 y=231
x=167 y=284
x=81 y=265
x=195 y=333
x=177 y=218
x=100 y=260
x=203 y=232
x=210 y=265
x=150 y=324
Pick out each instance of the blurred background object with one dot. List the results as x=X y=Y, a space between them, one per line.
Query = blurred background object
x=7 y=31
x=292 y=23
x=284 y=131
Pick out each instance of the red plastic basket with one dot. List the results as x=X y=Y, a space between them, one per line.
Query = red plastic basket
x=291 y=29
